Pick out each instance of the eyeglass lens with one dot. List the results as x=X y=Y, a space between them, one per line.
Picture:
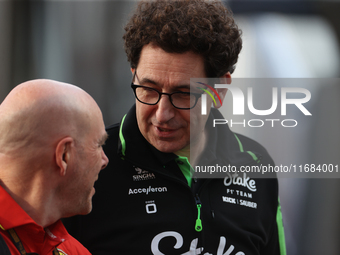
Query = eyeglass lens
x=178 y=99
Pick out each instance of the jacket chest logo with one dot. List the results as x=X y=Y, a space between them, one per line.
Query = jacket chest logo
x=244 y=181
x=240 y=197
x=142 y=175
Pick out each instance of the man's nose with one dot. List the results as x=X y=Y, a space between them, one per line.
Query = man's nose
x=165 y=110
x=104 y=159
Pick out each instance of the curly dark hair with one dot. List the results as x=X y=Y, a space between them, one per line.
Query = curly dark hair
x=177 y=26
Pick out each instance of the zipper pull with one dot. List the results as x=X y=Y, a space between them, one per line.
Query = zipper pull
x=198 y=225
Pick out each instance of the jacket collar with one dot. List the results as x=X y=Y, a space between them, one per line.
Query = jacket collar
x=134 y=147
x=13 y=216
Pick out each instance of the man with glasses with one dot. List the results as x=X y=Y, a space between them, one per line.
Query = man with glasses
x=149 y=202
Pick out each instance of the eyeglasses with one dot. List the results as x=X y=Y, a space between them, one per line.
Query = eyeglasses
x=151 y=96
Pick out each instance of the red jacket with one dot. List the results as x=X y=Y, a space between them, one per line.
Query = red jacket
x=34 y=237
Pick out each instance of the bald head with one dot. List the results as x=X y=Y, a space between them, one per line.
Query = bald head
x=40 y=112
x=51 y=137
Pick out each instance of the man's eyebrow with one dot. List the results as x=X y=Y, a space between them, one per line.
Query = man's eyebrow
x=184 y=86
x=147 y=80
x=103 y=139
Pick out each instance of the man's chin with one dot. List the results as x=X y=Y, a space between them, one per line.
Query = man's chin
x=168 y=146
x=87 y=209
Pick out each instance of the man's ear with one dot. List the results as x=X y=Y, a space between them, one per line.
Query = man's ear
x=225 y=79
x=133 y=70
x=63 y=154
x=221 y=93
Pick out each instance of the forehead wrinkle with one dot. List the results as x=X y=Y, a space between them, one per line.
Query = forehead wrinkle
x=169 y=79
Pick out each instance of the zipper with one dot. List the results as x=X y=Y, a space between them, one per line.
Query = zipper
x=198 y=225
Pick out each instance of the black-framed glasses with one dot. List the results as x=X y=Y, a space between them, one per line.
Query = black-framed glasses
x=150 y=96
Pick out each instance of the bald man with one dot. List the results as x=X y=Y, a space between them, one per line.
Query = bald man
x=51 y=137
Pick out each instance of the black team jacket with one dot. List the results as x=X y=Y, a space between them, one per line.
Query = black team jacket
x=144 y=205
